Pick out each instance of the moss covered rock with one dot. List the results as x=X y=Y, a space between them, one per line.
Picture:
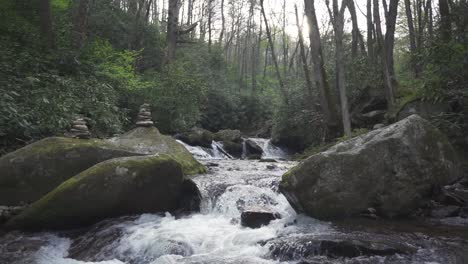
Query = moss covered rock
x=121 y=186
x=197 y=137
x=392 y=169
x=148 y=141
x=228 y=135
x=30 y=172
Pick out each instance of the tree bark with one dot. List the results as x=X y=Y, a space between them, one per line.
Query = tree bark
x=445 y=21
x=80 y=22
x=45 y=17
x=370 y=33
x=389 y=90
x=223 y=24
x=327 y=101
x=412 y=37
x=305 y=65
x=172 y=30
x=355 y=30
x=337 y=19
x=273 y=53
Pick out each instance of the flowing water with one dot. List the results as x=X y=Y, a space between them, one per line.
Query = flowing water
x=215 y=234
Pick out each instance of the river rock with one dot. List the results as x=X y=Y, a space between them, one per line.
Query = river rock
x=257 y=217
x=393 y=170
x=232 y=141
x=338 y=246
x=254 y=151
x=148 y=141
x=32 y=171
x=122 y=186
x=197 y=137
x=228 y=135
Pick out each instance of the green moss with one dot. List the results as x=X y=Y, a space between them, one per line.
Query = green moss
x=89 y=194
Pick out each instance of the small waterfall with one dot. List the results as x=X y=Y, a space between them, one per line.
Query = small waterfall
x=270 y=151
x=215 y=152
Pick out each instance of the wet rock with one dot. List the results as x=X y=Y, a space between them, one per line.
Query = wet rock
x=455 y=221
x=378 y=126
x=233 y=148
x=212 y=164
x=334 y=247
x=268 y=160
x=7 y=212
x=254 y=151
x=32 y=171
x=392 y=170
x=257 y=217
x=231 y=140
x=116 y=187
x=190 y=197
x=445 y=211
x=271 y=167
x=197 y=137
x=149 y=141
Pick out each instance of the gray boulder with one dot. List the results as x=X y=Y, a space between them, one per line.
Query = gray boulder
x=393 y=169
x=112 y=188
x=232 y=141
x=197 y=137
x=254 y=151
x=30 y=172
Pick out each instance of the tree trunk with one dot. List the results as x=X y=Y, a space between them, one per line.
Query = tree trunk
x=305 y=66
x=172 y=26
x=273 y=54
x=412 y=37
x=389 y=91
x=355 y=31
x=370 y=35
x=445 y=21
x=80 y=22
x=45 y=23
x=223 y=24
x=327 y=101
x=390 y=37
x=337 y=19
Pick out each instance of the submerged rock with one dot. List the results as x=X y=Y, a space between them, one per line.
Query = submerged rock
x=148 y=141
x=257 y=217
x=116 y=187
x=334 y=247
x=32 y=171
x=393 y=170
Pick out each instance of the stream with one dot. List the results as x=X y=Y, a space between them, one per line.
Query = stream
x=215 y=235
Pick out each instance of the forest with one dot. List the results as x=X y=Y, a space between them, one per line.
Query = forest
x=280 y=70
x=233 y=131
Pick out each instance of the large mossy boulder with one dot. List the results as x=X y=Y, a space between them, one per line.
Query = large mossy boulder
x=228 y=135
x=148 y=141
x=232 y=141
x=30 y=172
x=197 y=137
x=393 y=169
x=122 y=186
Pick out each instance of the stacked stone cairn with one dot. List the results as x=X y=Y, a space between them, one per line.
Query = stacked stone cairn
x=79 y=129
x=144 y=118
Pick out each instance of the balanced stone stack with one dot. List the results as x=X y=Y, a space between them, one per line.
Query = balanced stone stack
x=144 y=116
x=79 y=129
